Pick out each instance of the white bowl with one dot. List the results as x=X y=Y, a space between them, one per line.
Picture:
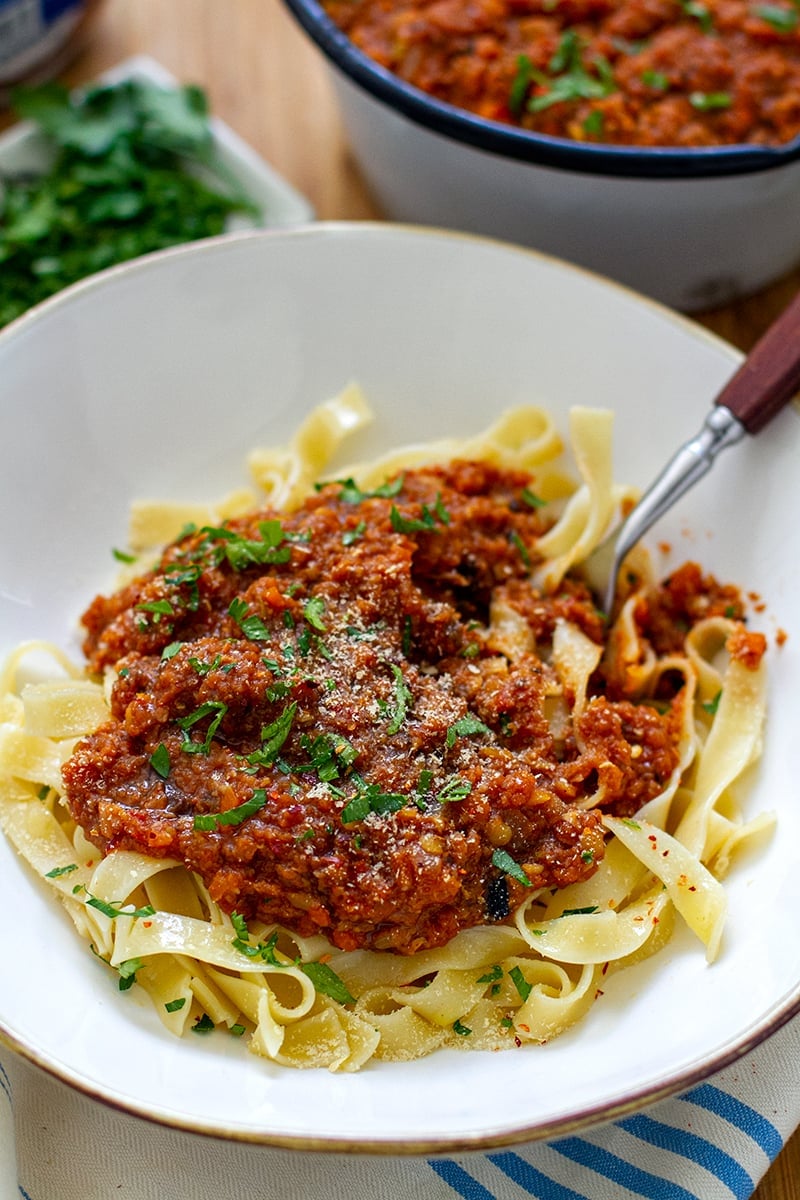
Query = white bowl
x=693 y=228
x=154 y=379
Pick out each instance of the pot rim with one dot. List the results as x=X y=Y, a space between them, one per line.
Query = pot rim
x=522 y=145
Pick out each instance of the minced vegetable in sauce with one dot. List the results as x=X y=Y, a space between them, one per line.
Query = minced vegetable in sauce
x=630 y=72
x=308 y=711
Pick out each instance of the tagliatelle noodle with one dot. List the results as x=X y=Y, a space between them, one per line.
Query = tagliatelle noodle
x=491 y=986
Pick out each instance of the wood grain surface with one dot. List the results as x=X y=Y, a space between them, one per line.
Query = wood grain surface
x=266 y=80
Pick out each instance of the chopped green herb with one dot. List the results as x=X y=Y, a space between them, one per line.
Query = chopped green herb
x=157 y=608
x=171 y=650
x=237 y=1030
x=351 y=493
x=250 y=624
x=159 y=760
x=520 y=983
x=594 y=124
x=273 y=737
x=700 y=12
x=402 y=700
x=203 y=1024
x=351 y=536
x=114 y=908
x=232 y=816
x=569 y=77
x=580 y=912
x=465 y=727
x=215 y=707
x=712 y=705
x=175 y=1005
x=521 y=547
x=57 y=872
x=504 y=862
x=709 y=101
x=123 y=182
x=326 y=980
x=120 y=555
x=370 y=799
x=313 y=610
x=127 y=972
x=520 y=84
x=330 y=756
x=656 y=80
x=783 y=20
x=493 y=975
x=461 y=1030
x=455 y=788
x=423 y=524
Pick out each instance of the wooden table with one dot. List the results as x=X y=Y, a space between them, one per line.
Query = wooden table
x=267 y=81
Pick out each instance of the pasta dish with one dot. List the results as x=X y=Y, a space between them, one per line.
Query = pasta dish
x=356 y=769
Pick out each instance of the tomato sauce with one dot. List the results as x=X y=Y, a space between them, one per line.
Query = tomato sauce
x=682 y=73
x=309 y=712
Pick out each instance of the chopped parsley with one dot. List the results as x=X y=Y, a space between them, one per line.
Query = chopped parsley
x=402 y=700
x=326 y=981
x=461 y=1030
x=370 y=799
x=250 y=624
x=157 y=609
x=159 y=760
x=211 y=708
x=569 y=78
x=782 y=20
x=175 y=1005
x=517 y=541
x=232 y=816
x=505 y=863
x=709 y=101
x=711 y=706
x=113 y=908
x=313 y=610
x=123 y=181
x=273 y=737
x=127 y=972
x=520 y=983
x=531 y=498
x=351 y=536
x=330 y=756
x=455 y=788
x=57 y=872
x=351 y=493
x=466 y=726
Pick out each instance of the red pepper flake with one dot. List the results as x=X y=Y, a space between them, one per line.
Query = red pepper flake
x=147 y=924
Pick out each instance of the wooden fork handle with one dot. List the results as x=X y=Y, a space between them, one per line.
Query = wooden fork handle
x=770 y=375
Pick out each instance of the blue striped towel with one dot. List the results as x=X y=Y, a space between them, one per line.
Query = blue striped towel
x=713 y=1142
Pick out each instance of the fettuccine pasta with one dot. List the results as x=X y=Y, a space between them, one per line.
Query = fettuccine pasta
x=337 y=997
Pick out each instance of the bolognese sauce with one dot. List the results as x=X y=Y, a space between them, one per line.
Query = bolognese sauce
x=316 y=713
x=684 y=73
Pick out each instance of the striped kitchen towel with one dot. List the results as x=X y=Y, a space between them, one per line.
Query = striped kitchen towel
x=713 y=1142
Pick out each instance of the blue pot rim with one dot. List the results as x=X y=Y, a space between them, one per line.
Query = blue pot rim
x=523 y=145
